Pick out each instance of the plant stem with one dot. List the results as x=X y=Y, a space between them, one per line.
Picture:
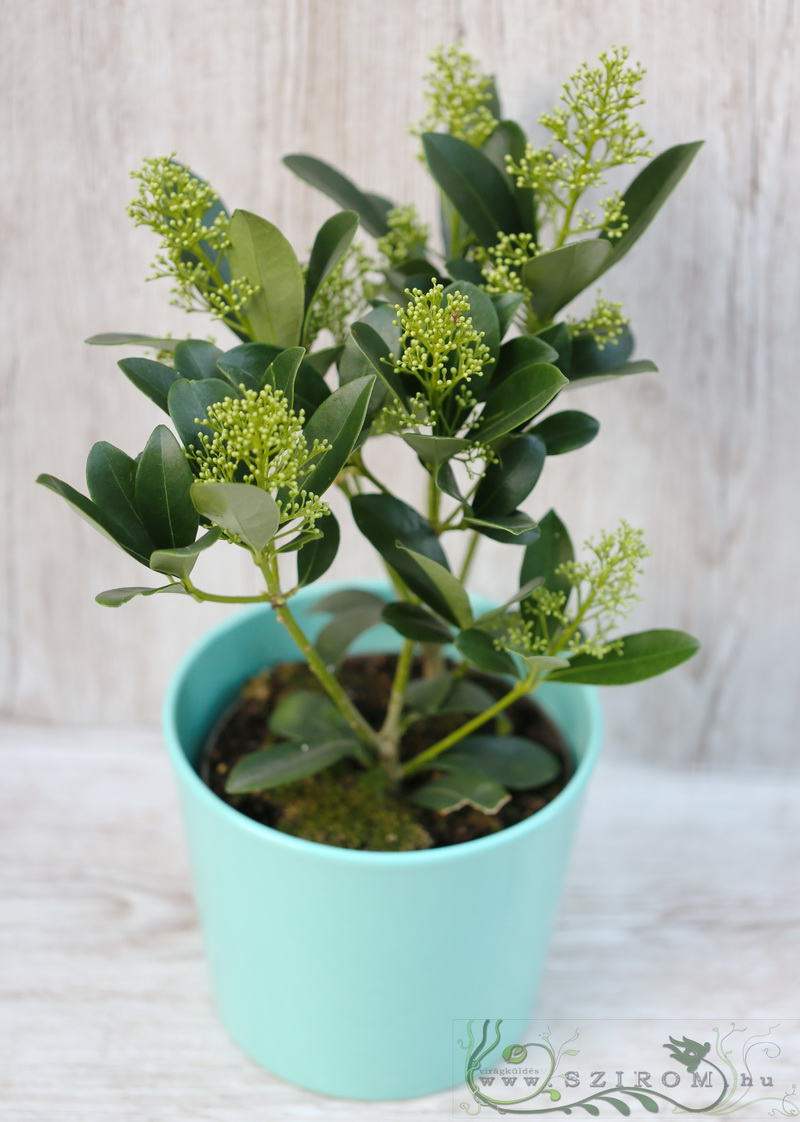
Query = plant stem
x=213 y=598
x=364 y=731
x=389 y=734
x=424 y=758
x=466 y=565
x=434 y=499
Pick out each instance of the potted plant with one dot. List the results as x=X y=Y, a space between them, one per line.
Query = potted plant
x=378 y=840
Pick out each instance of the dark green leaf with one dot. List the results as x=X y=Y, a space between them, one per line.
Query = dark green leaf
x=545 y=555
x=507 y=304
x=513 y=761
x=642 y=366
x=447 y=483
x=384 y=521
x=588 y=357
x=516 y=528
x=556 y=277
x=450 y=588
x=484 y=318
x=120 y=338
x=260 y=252
x=479 y=192
x=461 y=270
x=114 y=597
x=412 y=621
x=187 y=401
x=180 y=562
x=346 y=599
x=153 y=379
x=427 y=695
x=284 y=763
x=566 y=431
x=111 y=479
x=307 y=715
x=508 y=139
x=330 y=245
x=518 y=597
x=456 y=789
x=559 y=337
x=512 y=478
x=196 y=358
x=435 y=450
x=315 y=558
x=643 y=655
x=339 y=421
x=337 y=187
x=139 y=548
x=336 y=637
x=324 y=359
x=521 y=352
x=163 y=479
x=282 y=372
x=240 y=508
x=517 y=399
x=376 y=350
x=478 y=648
x=293 y=544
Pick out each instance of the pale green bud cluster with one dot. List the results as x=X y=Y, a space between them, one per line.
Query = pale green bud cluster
x=258 y=439
x=458 y=97
x=591 y=132
x=174 y=204
x=406 y=238
x=343 y=296
x=502 y=263
x=605 y=322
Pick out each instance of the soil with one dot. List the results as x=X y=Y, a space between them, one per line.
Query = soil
x=324 y=807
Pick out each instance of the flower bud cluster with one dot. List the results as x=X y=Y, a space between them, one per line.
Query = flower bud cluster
x=458 y=97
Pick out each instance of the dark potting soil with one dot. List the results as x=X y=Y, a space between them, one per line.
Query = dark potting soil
x=348 y=806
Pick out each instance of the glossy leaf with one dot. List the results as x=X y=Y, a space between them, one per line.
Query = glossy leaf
x=315 y=558
x=517 y=399
x=339 y=188
x=240 y=508
x=545 y=555
x=323 y=360
x=163 y=479
x=412 y=621
x=111 y=480
x=282 y=372
x=456 y=789
x=114 y=597
x=588 y=357
x=516 y=528
x=555 y=278
x=462 y=270
x=151 y=378
x=508 y=139
x=197 y=358
x=566 y=431
x=121 y=338
x=483 y=314
x=187 y=401
x=479 y=192
x=338 y=420
x=448 y=484
x=450 y=588
x=512 y=478
x=641 y=366
x=139 y=547
x=521 y=352
x=330 y=245
x=435 y=450
x=643 y=655
x=478 y=648
x=285 y=763
x=260 y=252
x=513 y=761
x=336 y=637
x=507 y=304
x=180 y=562
x=376 y=350
x=559 y=337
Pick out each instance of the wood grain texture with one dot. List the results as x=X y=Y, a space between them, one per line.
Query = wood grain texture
x=703 y=456
x=680 y=904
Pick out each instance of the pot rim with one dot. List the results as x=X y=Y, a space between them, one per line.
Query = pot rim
x=460 y=851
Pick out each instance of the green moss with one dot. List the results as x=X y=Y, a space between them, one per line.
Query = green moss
x=352 y=812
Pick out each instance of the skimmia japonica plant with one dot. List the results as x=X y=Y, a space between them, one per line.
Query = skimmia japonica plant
x=455 y=351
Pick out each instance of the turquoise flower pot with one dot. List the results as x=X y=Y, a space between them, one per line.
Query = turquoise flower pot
x=343 y=971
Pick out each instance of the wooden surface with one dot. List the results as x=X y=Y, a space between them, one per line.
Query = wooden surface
x=703 y=456
x=681 y=903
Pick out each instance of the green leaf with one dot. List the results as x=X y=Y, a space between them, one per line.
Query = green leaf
x=347 y=599
x=339 y=188
x=509 y=139
x=426 y=695
x=138 y=547
x=114 y=597
x=521 y=352
x=457 y=789
x=462 y=270
x=412 y=621
x=478 y=648
x=384 y=521
x=260 y=252
x=315 y=558
x=588 y=357
x=196 y=358
x=163 y=479
x=285 y=763
x=120 y=338
x=647 y=194
x=450 y=588
x=513 y=761
x=435 y=450
x=180 y=562
x=516 y=528
x=545 y=555
x=643 y=655
x=447 y=483
x=282 y=372
x=479 y=192
x=324 y=359
x=557 y=276
x=241 y=509
x=258 y=364
x=111 y=479
x=512 y=478
x=153 y=379
x=507 y=304
x=307 y=715
x=330 y=245
x=566 y=431
x=517 y=399
x=187 y=401
x=645 y=1100
x=484 y=318
x=339 y=421
x=559 y=337
x=618 y=1104
x=641 y=366
x=517 y=598
x=376 y=350
x=337 y=637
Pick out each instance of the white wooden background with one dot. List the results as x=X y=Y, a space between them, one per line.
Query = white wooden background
x=703 y=455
